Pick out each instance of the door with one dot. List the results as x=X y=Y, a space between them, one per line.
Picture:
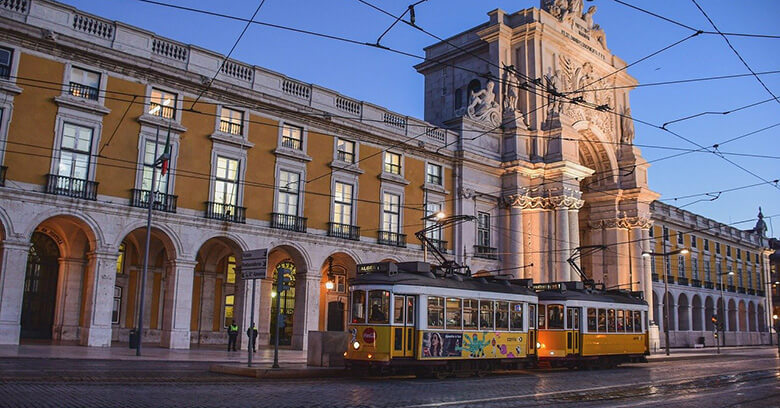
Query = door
x=403 y=325
x=40 y=288
x=336 y=316
x=573 y=338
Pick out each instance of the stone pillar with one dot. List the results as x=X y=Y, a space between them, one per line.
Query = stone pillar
x=265 y=286
x=307 y=310
x=66 y=314
x=636 y=261
x=647 y=275
x=99 y=281
x=562 y=272
x=574 y=236
x=177 y=310
x=13 y=265
x=208 y=303
x=514 y=253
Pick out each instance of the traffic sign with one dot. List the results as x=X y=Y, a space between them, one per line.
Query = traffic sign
x=254 y=264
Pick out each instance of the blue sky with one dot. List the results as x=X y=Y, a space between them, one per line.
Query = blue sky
x=390 y=80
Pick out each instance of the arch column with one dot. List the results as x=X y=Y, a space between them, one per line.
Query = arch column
x=178 y=304
x=513 y=243
x=99 y=294
x=13 y=263
x=563 y=245
x=309 y=314
x=66 y=314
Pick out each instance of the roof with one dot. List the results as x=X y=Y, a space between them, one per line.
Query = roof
x=591 y=296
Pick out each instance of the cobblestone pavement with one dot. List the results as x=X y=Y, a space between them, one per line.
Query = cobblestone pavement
x=751 y=380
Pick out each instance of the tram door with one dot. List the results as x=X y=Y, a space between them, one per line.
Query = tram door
x=403 y=326
x=573 y=330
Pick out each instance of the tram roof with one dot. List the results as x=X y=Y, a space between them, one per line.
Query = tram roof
x=418 y=274
x=588 y=295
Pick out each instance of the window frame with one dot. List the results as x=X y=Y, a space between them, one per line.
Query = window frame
x=161 y=116
x=91 y=165
x=216 y=179
x=434 y=179
x=483 y=231
x=100 y=86
x=335 y=203
x=338 y=151
x=285 y=192
x=242 y=122
x=289 y=141
x=398 y=214
x=388 y=167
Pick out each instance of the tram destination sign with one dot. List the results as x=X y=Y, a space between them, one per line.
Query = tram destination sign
x=254 y=264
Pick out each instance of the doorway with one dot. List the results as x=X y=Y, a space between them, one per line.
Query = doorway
x=40 y=288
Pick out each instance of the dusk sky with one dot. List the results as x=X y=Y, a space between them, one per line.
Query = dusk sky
x=389 y=79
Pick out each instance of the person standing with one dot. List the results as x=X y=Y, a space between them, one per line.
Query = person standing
x=251 y=333
x=232 y=335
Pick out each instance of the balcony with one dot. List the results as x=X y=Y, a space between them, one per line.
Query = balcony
x=225 y=212
x=5 y=71
x=751 y=291
x=288 y=222
x=167 y=112
x=486 y=252
x=439 y=244
x=682 y=281
x=391 y=238
x=83 y=91
x=741 y=290
x=709 y=285
x=759 y=293
x=731 y=288
x=232 y=128
x=345 y=156
x=3 y=169
x=655 y=277
x=669 y=279
x=696 y=283
x=162 y=202
x=344 y=231
x=291 y=143
x=71 y=187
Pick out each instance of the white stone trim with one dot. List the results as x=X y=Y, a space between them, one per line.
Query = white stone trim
x=293 y=166
x=230 y=152
x=148 y=133
x=80 y=118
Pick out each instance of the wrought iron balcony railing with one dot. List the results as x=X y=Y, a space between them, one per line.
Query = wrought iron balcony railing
x=232 y=128
x=731 y=288
x=225 y=212
x=682 y=281
x=391 y=238
x=751 y=291
x=709 y=285
x=741 y=290
x=345 y=156
x=155 y=109
x=83 y=91
x=696 y=283
x=486 y=252
x=71 y=187
x=288 y=222
x=5 y=71
x=291 y=143
x=655 y=277
x=759 y=292
x=344 y=231
x=162 y=201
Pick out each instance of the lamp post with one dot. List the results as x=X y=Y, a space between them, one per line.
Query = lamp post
x=776 y=323
x=722 y=319
x=666 y=255
x=435 y=217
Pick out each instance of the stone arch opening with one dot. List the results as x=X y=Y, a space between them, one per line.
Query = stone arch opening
x=335 y=272
x=669 y=312
x=752 y=317
x=709 y=311
x=40 y=288
x=657 y=311
x=298 y=306
x=761 y=318
x=697 y=314
x=732 y=315
x=742 y=313
x=683 y=323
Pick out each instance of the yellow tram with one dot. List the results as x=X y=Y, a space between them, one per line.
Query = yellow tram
x=581 y=326
x=414 y=318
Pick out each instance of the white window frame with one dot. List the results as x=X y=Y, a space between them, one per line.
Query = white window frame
x=401 y=164
x=244 y=122
x=395 y=191
x=280 y=191
x=149 y=134
x=355 y=150
x=101 y=100
x=433 y=204
x=489 y=229
x=230 y=152
x=695 y=268
x=8 y=90
x=78 y=118
x=293 y=166
x=681 y=266
x=162 y=121
x=304 y=135
x=8 y=84
x=352 y=203
x=430 y=165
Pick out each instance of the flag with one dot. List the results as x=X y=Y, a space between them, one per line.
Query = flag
x=165 y=158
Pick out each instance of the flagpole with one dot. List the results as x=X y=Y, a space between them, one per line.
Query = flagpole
x=149 y=201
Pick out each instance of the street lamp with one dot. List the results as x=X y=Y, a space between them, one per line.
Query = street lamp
x=723 y=316
x=666 y=255
x=435 y=217
x=777 y=330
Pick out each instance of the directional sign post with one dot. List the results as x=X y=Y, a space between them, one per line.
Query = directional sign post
x=253 y=266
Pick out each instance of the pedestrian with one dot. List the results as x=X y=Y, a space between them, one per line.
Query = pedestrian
x=251 y=333
x=232 y=335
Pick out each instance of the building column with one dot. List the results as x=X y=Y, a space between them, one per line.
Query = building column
x=574 y=237
x=245 y=288
x=208 y=300
x=177 y=311
x=99 y=281
x=307 y=312
x=66 y=314
x=13 y=265
x=513 y=247
x=563 y=272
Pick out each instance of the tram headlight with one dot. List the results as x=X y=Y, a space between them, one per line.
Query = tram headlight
x=356 y=345
x=538 y=345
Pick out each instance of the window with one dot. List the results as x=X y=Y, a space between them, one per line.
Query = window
x=342 y=204
x=358 y=306
x=430 y=210
x=516 y=316
x=486 y=311
x=84 y=84
x=652 y=265
x=470 y=313
x=666 y=234
x=592 y=320
x=117 y=305
x=542 y=317
x=288 y=193
x=391 y=212
x=379 y=306
x=502 y=316
x=620 y=321
x=730 y=276
x=740 y=279
x=707 y=271
x=728 y=250
x=739 y=253
x=706 y=244
x=341 y=283
x=392 y=163
x=162 y=104
x=680 y=238
x=719 y=269
x=292 y=136
x=230 y=270
x=435 y=312
x=611 y=320
x=637 y=321
x=433 y=174
x=693 y=241
x=531 y=316
x=453 y=313
x=75 y=154
x=5 y=62
x=231 y=121
x=150 y=157
x=398 y=309
x=226 y=183
x=681 y=266
x=345 y=150
x=749 y=277
x=651 y=230
x=629 y=321
x=717 y=248
x=695 y=268
x=120 y=260
x=229 y=303
x=555 y=316
x=602 y=320
x=483 y=229
x=573 y=318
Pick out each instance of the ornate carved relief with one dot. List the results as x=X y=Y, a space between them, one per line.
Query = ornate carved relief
x=643 y=222
x=483 y=106
x=548 y=200
x=580 y=82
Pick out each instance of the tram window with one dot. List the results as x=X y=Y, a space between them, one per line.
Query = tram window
x=611 y=320
x=502 y=316
x=603 y=320
x=486 y=310
x=398 y=309
x=410 y=310
x=576 y=319
x=453 y=314
x=573 y=319
x=592 y=320
x=359 y=306
x=435 y=312
x=629 y=322
x=470 y=313
x=516 y=317
x=637 y=321
x=620 y=320
x=379 y=306
x=555 y=316
x=531 y=316
x=542 y=319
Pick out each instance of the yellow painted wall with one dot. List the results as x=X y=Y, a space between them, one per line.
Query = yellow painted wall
x=318 y=193
x=31 y=133
x=258 y=190
x=368 y=212
x=194 y=161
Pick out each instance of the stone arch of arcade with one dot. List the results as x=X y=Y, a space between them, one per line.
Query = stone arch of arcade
x=335 y=272
x=299 y=307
